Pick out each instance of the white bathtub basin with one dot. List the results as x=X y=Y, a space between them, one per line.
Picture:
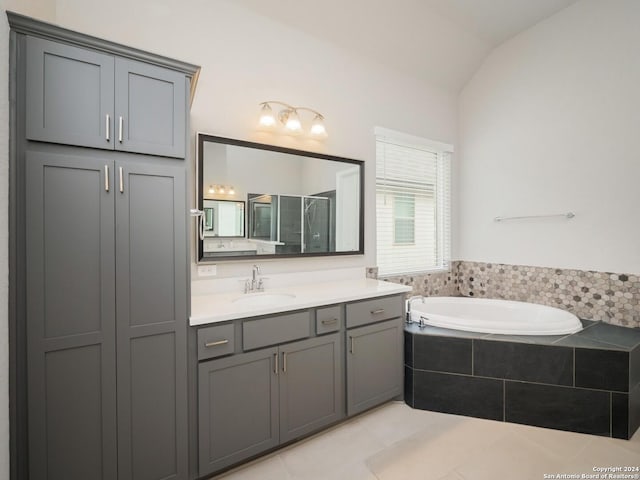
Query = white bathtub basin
x=486 y=315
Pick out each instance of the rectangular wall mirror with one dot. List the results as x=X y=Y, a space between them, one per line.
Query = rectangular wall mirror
x=260 y=200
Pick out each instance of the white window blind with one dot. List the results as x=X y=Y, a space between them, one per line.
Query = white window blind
x=412 y=205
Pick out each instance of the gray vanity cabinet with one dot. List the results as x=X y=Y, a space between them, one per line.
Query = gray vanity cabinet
x=251 y=402
x=105 y=303
x=374 y=365
x=238 y=412
x=71 y=94
x=151 y=292
x=374 y=352
x=91 y=99
x=70 y=317
x=150 y=109
x=100 y=272
x=311 y=386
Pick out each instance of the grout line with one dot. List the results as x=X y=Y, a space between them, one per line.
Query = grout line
x=473 y=366
x=574 y=367
x=504 y=400
x=611 y=415
x=483 y=377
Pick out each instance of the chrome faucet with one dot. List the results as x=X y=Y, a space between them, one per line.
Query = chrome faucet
x=254 y=284
x=409 y=300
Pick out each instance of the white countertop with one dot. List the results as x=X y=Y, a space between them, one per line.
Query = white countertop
x=220 y=307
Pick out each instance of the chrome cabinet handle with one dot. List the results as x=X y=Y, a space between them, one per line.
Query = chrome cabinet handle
x=121 y=180
x=377 y=312
x=284 y=362
x=120 y=120
x=330 y=322
x=106 y=178
x=276 y=367
x=216 y=344
x=352 y=349
x=108 y=128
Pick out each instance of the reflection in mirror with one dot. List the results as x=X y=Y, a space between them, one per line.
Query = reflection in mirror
x=223 y=219
x=298 y=203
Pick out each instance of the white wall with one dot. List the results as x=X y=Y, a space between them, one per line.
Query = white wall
x=550 y=123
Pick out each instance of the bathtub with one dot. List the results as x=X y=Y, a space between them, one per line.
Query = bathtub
x=485 y=315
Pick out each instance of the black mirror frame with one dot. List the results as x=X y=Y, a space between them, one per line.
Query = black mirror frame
x=201 y=138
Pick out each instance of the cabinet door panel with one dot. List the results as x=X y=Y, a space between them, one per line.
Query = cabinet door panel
x=151 y=266
x=152 y=104
x=374 y=365
x=311 y=386
x=71 y=92
x=237 y=408
x=70 y=318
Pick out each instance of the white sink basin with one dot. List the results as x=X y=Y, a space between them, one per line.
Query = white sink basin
x=263 y=299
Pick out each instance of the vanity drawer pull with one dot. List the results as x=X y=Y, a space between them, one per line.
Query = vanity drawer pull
x=333 y=321
x=276 y=366
x=377 y=312
x=215 y=344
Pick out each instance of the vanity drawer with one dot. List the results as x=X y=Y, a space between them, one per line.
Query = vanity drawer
x=216 y=341
x=274 y=330
x=374 y=310
x=328 y=319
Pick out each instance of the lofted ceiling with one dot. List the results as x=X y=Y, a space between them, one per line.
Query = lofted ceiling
x=442 y=42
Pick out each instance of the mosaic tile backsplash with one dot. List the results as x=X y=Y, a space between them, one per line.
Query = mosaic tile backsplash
x=610 y=297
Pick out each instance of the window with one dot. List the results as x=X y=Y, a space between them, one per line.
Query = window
x=412 y=203
x=404 y=219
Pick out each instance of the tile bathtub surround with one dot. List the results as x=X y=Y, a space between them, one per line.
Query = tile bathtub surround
x=431 y=284
x=587 y=382
x=610 y=297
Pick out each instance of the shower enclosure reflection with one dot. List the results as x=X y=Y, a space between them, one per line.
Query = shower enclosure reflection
x=296 y=223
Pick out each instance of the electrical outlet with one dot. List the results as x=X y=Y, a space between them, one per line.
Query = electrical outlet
x=207 y=270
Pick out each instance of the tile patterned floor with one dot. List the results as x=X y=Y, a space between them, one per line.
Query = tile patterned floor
x=395 y=442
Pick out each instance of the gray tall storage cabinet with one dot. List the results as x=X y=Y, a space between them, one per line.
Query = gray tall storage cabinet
x=101 y=316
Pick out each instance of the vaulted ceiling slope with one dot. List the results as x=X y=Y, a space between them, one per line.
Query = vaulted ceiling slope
x=442 y=42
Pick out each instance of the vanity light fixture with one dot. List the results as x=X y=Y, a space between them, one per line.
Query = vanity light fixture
x=290 y=119
x=221 y=190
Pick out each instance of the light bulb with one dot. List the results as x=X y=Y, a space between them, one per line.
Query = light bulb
x=317 y=127
x=293 y=122
x=267 y=118
x=232 y=190
x=211 y=189
x=221 y=189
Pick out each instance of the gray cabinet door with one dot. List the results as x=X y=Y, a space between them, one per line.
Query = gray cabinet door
x=311 y=385
x=374 y=365
x=150 y=109
x=237 y=408
x=71 y=95
x=151 y=312
x=70 y=317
